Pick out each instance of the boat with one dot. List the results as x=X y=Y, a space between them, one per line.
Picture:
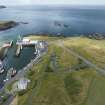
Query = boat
x=1 y=71
x=1 y=67
x=13 y=72
x=57 y=23
x=35 y=53
x=19 y=48
x=10 y=74
x=24 y=22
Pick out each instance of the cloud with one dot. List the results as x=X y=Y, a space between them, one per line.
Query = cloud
x=14 y=2
x=30 y=2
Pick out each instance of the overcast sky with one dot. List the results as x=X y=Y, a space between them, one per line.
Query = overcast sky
x=71 y=2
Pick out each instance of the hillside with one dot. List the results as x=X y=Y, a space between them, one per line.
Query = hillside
x=91 y=49
x=60 y=78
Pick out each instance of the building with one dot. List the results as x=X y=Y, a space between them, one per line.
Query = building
x=23 y=83
x=27 y=41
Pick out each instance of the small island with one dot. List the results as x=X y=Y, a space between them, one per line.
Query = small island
x=2 y=6
x=4 y=25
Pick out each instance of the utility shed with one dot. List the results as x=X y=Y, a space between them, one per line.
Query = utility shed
x=23 y=83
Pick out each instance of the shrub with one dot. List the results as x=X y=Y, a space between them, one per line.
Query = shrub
x=22 y=92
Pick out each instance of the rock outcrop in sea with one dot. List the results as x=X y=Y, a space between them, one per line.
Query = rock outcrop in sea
x=2 y=6
x=7 y=25
x=96 y=36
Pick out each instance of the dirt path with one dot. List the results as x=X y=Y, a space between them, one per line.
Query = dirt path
x=15 y=101
x=98 y=69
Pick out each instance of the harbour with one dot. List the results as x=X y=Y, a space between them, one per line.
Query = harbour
x=37 y=46
x=25 y=42
x=13 y=75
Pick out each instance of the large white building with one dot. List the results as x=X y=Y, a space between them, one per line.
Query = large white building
x=23 y=83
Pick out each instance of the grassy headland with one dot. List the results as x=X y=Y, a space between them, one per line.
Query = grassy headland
x=91 y=49
x=59 y=78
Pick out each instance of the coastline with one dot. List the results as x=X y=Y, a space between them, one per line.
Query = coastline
x=72 y=68
x=73 y=42
x=4 y=25
x=22 y=72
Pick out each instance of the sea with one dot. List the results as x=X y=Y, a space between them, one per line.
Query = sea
x=79 y=20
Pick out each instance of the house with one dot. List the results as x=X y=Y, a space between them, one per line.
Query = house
x=23 y=83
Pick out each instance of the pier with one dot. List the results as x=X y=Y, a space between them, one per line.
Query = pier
x=8 y=44
x=19 y=48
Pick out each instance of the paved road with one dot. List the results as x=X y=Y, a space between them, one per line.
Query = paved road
x=10 y=99
x=98 y=69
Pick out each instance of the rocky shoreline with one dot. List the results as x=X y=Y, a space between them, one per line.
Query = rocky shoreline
x=7 y=25
x=2 y=6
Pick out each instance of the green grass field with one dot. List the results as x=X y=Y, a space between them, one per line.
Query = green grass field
x=52 y=82
x=96 y=93
x=91 y=49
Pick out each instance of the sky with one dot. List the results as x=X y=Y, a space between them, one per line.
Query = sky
x=48 y=2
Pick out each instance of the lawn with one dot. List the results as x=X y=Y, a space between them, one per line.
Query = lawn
x=49 y=86
x=53 y=84
x=96 y=92
x=91 y=49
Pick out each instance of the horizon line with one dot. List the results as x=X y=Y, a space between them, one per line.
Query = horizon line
x=52 y=4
